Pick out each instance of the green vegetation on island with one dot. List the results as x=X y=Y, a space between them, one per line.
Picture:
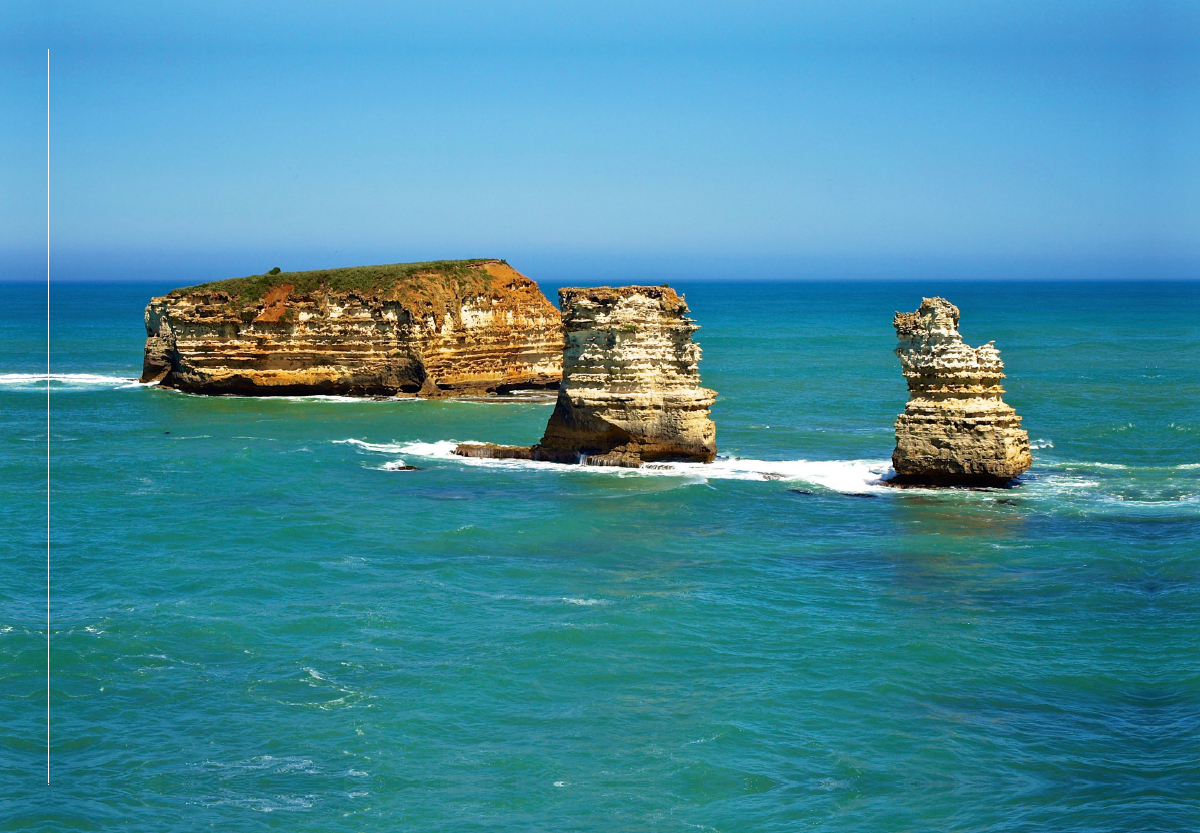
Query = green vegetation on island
x=386 y=278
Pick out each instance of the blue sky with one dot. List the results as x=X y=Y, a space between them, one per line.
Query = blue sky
x=618 y=141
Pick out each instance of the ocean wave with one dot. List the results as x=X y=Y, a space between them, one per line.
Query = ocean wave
x=37 y=381
x=846 y=476
x=1064 y=483
x=382 y=448
x=312 y=397
x=329 y=397
x=462 y=400
x=1108 y=488
x=1095 y=483
x=1089 y=465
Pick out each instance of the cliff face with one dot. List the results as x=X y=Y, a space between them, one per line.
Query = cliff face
x=955 y=429
x=631 y=383
x=438 y=329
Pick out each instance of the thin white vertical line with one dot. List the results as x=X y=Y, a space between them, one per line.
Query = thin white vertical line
x=47 y=416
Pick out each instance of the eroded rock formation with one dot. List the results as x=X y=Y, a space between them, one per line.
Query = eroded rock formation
x=631 y=384
x=955 y=429
x=435 y=329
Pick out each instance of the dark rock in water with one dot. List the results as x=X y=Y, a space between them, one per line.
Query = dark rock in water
x=955 y=430
x=496 y=452
x=800 y=491
x=631 y=384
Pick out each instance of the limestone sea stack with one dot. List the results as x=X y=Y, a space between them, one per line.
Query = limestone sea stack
x=444 y=328
x=630 y=391
x=955 y=430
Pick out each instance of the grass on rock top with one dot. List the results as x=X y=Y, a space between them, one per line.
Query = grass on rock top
x=399 y=278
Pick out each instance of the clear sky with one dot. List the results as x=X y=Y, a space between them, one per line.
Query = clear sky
x=609 y=141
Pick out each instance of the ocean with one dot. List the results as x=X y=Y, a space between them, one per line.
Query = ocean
x=259 y=623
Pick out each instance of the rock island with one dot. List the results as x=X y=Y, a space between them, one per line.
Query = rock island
x=443 y=328
x=631 y=390
x=955 y=430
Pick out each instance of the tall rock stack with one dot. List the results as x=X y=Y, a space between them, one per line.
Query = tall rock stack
x=631 y=384
x=955 y=430
x=446 y=328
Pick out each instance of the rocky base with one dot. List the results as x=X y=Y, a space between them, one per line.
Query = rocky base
x=491 y=451
x=902 y=481
x=450 y=328
x=955 y=430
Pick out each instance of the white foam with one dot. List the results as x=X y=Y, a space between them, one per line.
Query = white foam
x=1064 y=485
x=382 y=448
x=328 y=397
x=91 y=380
x=847 y=476
x=585 y=602
x=443 y=450
x=316 y=397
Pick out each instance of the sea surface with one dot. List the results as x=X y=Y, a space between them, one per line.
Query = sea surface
x=259 y=623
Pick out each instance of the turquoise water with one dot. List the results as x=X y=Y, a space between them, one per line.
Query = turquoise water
x=257 y=625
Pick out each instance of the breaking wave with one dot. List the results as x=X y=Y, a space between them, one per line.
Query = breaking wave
x=329 y=397
x=847 y=476
x=37 y=381
x=382 y=448
x=311 y=397
x=1098 y=485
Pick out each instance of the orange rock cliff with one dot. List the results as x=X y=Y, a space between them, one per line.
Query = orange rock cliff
x=444 y=328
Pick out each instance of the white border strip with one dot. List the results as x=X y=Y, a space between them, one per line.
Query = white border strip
x=47 y=416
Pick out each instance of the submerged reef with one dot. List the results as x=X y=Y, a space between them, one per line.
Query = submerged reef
x=444 y=328
x=955 y=430
x=630 y=390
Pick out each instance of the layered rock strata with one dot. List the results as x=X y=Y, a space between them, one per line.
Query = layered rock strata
x=955 y=430
x=631 y=384
x=445 y=328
